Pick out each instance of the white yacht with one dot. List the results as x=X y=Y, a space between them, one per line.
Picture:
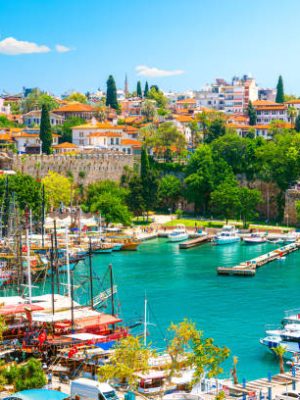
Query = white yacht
x=227 y=235
x=255 y=238
x=178 y=234
x=288 y=337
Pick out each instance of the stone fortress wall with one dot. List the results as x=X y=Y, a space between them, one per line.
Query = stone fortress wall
x=84 y=168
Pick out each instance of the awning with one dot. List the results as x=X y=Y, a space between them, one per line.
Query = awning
x=85 y=336
x=19 y=309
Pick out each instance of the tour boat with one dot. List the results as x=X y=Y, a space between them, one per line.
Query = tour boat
x=178 y=234
x=255 y=238
x=227 y=235
x=288 y=337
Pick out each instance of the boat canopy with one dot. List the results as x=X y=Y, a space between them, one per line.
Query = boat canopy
x=19 y=309
x=85 y=336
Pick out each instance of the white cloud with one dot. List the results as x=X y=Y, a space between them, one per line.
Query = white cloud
x=62 y=49
x=13 y=47
x=153 y=72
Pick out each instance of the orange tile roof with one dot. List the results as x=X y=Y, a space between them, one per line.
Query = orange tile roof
x=183 y=118
x=132 y=142
x=75 y=107
x=264 y=103
x=295 y=101
x=130 y=129
x=6 y=137
x=65 y=145
x=239 y=126
x=186 y=101
x=99 y=125
x=105 y=134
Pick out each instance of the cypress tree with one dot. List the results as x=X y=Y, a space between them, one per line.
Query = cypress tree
x=280 y=91
x=146 y=90
x=45 y=130
x=251 y=114
x=297 y=124
x=111 y=93
x=149 y=181
x=139 y=89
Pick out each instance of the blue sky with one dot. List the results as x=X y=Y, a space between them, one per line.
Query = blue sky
x=177 y=44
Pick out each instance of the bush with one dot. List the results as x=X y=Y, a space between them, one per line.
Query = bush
x=179 y=213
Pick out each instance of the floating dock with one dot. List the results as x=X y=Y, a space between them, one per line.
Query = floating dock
x=195 y=242
x=248 y=268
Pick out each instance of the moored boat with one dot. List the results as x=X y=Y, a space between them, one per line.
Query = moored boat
x=228 y=235
x=255 y=238
x=178 y=234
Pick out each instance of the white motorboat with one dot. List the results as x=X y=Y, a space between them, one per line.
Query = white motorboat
x=228 y=235
x=255 y=238
x=288 y=337
x=178 y=234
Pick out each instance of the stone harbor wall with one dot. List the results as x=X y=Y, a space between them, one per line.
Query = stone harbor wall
x=292 y=195
x=84 y=168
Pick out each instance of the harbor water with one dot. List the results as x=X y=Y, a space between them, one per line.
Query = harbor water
x=183 y=284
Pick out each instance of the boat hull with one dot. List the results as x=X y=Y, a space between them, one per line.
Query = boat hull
x=222 y=241
x=178 y=238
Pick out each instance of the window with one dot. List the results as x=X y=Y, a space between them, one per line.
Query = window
x=81 y=134
x=81 y=142
x=117 y=141
x=111 y=141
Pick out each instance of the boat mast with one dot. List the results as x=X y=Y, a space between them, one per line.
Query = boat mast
x=28 y=266
x=52 y=272
x=145 y=320
x=68 y=262
x=91 y=273
x=56 y=257
x=112 y=290
x=72 y=305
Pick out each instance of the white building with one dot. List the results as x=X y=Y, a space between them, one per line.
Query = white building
x=268 y=111
x=34 y=118
x=232 y=98
x=4 y=109
x=81 y=133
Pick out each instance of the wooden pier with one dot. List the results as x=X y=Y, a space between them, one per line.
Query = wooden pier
x=259 y=388
x=248 y=268
x=195 y=242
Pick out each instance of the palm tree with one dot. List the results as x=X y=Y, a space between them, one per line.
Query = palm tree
x=280 y=351
x=292 y=114
x=233 y=371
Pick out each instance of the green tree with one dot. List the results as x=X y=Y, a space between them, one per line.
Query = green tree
x=280 y=352
x=135 y=200
x=146 y=90
x=65 y=130
x=181 y=345
x=292 y=114
x=168 y=138
x=216 y=129
x=26 y=376
x=279 y=91
x=251 y=113
x=155 y=94
x=169 y=191
x=297 y=123
x=111 y=93
x=149 y=178
x=78 y=97
x=58 y=189
x=234 y=371
x=297 y=206
x=128 y=358
x=139 y=89
x=225 y=200
x=3 y=327
x=208 y=358
x=25 y=190
x=36 y=100
x=249 y=200
x=109 y=199
x=148 y=110
x=45 y=131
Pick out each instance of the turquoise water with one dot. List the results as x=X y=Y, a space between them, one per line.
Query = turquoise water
x=183 y=283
